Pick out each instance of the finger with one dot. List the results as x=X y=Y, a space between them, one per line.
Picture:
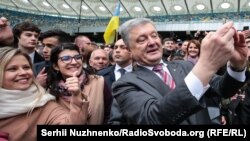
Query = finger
x=225 y=28
x=42 y=71
x=241 y=41
x=230 y=34
x=209 y=35
x=241 y=38
x=236 y=35
x=75 y=74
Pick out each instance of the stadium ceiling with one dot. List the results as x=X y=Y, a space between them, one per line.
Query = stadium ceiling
x=129 y=8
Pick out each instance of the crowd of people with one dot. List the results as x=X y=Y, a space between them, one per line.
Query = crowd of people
x=142 y=79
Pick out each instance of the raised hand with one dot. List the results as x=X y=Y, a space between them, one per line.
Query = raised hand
x=73 y=85
x=42 y=77
x=216 y=50
x=240 y=53
x=6 y=35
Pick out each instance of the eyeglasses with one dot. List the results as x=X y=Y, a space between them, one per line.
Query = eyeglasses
x=120 y=46
x=68 y=59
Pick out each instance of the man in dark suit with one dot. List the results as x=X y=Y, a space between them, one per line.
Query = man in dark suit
x=144 y=95
x=123 y=64
x=26 y=38
x=50 y=39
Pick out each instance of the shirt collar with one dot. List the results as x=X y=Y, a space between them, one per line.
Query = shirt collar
x=151 y=67
x=128 y=68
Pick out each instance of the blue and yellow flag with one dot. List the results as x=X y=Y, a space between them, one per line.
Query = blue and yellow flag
x=111 y=29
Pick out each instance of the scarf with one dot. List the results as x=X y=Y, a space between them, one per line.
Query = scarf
x=193 y=60
x=16 y=102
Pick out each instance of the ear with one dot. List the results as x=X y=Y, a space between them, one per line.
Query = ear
x=55 y=67
x=90 y=62
x=131 y=55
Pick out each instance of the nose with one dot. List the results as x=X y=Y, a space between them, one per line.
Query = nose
x=45 y=49
x=151 y=41
x=118 y=50
x=73 y=61
x=22 y=71
x=33 y=37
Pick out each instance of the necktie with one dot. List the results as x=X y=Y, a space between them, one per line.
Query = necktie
x=167 y=78
x=122 y=71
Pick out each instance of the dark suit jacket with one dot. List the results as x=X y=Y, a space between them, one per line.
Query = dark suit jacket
x=39 y=66
x=37 y=58
x=145 y=99
x=108 y=74
x=116 y=117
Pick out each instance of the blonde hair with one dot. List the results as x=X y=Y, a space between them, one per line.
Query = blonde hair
x=6 y=54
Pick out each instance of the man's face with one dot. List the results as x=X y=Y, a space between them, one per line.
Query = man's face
x=121 y=54
x=99 y=59
x=28 y=40
x=48 y=44
x=169 y=45
x=85 y=46
x=146 y=45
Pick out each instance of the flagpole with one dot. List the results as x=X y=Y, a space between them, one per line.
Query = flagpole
x=116 y=35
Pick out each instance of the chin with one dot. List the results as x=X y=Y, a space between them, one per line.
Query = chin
x=23 y=88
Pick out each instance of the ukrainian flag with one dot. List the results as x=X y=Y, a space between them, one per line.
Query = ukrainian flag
x=111 y=29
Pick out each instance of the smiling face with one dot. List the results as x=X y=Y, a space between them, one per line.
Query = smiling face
x=193 y=50
x=145 y=45
x=18 y=74
x=67 y=68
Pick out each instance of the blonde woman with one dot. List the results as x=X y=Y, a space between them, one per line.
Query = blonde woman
x=24 y=104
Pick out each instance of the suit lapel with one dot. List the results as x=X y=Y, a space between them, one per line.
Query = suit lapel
x=177 y=73
x=149 y=77
x=112 y=74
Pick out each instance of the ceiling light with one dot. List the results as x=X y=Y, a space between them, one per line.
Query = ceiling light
x=137 y=9
x=65 y=6
x=85 y=7
x=156 y=8
x=45 y=3
x=25 y=1
x=121 y=9
x=249 y=4
x=200 y=6
x=225 y=5
x=177 y=7
x=102 y=8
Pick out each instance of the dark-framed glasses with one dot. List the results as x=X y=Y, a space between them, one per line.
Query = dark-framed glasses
x=68 y=59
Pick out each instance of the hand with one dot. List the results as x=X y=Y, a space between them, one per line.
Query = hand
x=223 y=120
x=73 y=85
x=240 y=53
x=6 y=35
x=216 y=49
x=42 y=77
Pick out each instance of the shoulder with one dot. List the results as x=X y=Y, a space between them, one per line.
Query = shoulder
x=106 y=70
x=95 y=79
x=181 y=63
x=39 y=64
